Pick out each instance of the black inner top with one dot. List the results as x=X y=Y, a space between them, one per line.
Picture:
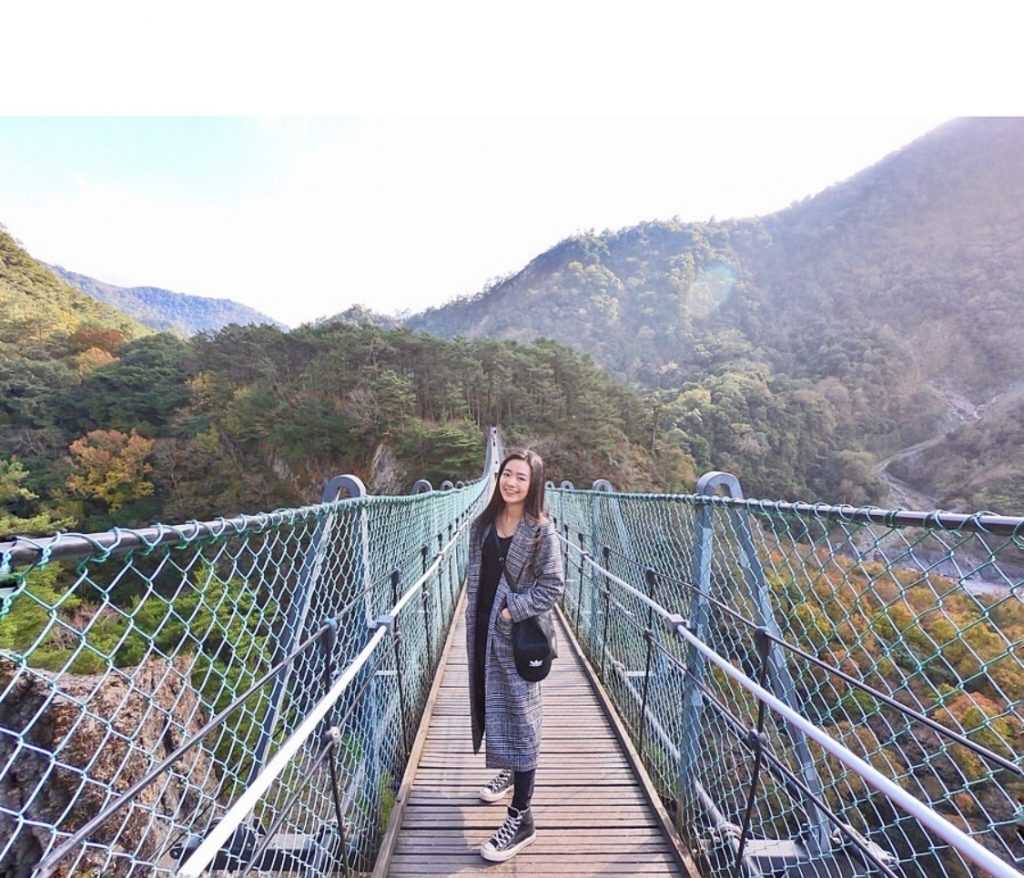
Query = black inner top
x=492 y=563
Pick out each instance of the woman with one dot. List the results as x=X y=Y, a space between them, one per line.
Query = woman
x=514 y=572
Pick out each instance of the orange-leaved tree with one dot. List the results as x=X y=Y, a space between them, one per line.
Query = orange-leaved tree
x=111 y=466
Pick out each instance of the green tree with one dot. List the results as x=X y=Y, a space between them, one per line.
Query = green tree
x=20 y=513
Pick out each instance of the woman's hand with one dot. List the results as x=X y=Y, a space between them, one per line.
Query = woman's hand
x=505 y=614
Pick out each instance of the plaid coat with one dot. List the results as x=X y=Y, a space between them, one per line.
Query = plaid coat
x=513 y=712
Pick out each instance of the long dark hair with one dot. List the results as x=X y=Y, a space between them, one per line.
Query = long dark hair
x=534 y=505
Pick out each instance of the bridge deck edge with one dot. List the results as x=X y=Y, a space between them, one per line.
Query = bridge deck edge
x=391 y=831
x=650 y=793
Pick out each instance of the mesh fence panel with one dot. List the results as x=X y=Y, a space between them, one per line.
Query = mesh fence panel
x=928 y=619
x=117 y=648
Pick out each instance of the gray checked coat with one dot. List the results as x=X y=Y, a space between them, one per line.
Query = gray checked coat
x=513 y=712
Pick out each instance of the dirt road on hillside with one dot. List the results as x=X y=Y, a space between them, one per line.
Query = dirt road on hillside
x=968 y=562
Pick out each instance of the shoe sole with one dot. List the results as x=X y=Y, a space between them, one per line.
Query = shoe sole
x=487 y=796
x=501 y=857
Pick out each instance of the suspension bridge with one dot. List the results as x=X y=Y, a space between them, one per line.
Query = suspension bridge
x=748 y=688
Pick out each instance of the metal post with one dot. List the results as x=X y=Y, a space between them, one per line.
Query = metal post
x=396 y=635
x=605 y=554
x=594 y=543
x=425 y=600
x=335 y=736
x=309 y=576
x=441 y=579
x=649 y=578
x=328 y=642
x=452 y=568
x=459 y=564
x=565 y=551
x=583 y=561
x=693 y=701
x=818 y=835
x=756 y=740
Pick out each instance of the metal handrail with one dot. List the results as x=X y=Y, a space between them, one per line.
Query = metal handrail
x=978 y=522
x=119 y=540
x=970 y=849
x=201 y=858
x=898 y=706
x=46 y=867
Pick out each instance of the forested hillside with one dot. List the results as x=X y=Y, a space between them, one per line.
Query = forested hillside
x=35 y=304
x=800 y=348
x=164 y=310
x=104 y=424
x=806 y=351
x=360 y=315
x=51 y=336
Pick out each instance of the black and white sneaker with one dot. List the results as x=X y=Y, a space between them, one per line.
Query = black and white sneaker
x=512 y=836
x=498 y=788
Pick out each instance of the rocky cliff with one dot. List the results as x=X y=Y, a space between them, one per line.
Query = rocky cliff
x=79 y=740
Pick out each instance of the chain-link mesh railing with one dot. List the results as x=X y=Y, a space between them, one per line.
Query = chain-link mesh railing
x=898 y=636
x=147 y=679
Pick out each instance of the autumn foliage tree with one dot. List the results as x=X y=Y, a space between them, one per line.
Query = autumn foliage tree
x=104 y=338
x=110 y=466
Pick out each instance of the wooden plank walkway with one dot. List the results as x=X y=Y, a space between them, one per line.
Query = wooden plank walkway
x=592 y=814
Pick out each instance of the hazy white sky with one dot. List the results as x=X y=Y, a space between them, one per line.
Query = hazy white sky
x=399 y=153
x=302 y=218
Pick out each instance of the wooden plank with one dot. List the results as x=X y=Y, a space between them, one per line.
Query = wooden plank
x=566 y=758
x=491 y=814
x=565 y=746
x=586 y=845
x=549 y=858
x=687 y=864
x=380 y=869
x=593 y=816
x=533 y=869
x=469 y=835
x=542 y=796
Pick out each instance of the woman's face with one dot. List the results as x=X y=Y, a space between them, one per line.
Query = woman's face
x=515 y=481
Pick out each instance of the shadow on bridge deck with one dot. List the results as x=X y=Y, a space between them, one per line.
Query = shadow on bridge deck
x=593 y=813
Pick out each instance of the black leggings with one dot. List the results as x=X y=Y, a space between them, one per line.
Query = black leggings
x=523 y=788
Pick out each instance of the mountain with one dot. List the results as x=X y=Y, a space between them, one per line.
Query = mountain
x=106 y=422
x=35 y=304
x=164 y=310
x=360 y=315
x=873 y=315
x=51 y=335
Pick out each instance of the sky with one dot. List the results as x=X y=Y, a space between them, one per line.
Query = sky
x=399 y=153
x=302 y=217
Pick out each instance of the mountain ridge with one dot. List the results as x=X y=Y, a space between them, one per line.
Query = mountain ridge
x=855 y=307
x=166 y=310
x=33 y=297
